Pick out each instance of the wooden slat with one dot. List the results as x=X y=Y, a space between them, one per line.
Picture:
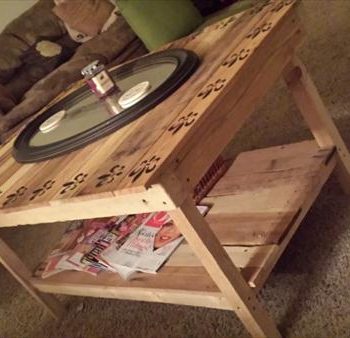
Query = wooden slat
x=183 y=280
x=275 y=161
x=250 y=227
x=243 y=257
x=261 y=275
x=177 y=285
x=259 y=197
x=103 y=205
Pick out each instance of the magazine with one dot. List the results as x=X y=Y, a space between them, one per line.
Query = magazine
x=148 y=247
x=123 y=244
x=78 y=239
x=117 y=234
x=93 y=230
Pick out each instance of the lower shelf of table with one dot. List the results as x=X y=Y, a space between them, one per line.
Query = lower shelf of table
x=256 y=208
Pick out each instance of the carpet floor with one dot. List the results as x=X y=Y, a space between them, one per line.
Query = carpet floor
x=308 y=292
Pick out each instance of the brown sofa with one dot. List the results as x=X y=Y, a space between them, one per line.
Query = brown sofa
x=41 y=60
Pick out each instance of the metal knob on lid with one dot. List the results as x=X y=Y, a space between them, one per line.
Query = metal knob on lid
x=92 y=69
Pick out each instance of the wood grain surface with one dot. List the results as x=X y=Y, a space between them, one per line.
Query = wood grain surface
x=132 y=160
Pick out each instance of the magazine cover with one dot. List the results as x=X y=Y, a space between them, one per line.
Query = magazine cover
x=93 y=230
x=75 y=242
x=148 y=247
x=117 y=234
x=51 y=265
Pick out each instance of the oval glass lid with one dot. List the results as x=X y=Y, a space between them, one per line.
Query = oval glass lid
x=81 y=118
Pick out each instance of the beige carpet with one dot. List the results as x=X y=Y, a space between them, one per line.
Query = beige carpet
x=308 y=293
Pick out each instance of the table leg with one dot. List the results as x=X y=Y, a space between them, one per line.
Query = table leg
x=222 y=270
x=18 y=270
x=317 y=117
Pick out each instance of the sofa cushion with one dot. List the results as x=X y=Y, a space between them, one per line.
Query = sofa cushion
x=159 y=22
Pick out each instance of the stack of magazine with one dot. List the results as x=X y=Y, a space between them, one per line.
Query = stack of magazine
x=123 y=244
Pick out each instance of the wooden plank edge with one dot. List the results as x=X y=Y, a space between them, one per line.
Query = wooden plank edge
x=102 y=205
x=242 y=256
x=208 y=299
x=258 y=279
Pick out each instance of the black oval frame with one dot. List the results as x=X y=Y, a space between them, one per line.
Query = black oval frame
x=187 y=63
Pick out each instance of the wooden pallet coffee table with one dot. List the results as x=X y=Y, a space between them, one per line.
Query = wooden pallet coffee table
x=154 y=163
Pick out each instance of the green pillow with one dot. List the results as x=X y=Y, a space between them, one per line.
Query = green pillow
x=236 y=8
x=157 y=22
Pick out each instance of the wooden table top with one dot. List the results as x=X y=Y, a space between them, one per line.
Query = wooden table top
x=169 y=138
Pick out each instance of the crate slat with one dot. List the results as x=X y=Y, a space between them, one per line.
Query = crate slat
x=261 y=194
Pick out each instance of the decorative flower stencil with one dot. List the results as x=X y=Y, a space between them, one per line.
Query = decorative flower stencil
x=73 y=184
x=41 y=191
x=224 y=24
x=212 y=87
x=233 y=58
x=145 y=167
x=183 y=121
x=114 y=172
x=257 y=30
x=15 y=196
